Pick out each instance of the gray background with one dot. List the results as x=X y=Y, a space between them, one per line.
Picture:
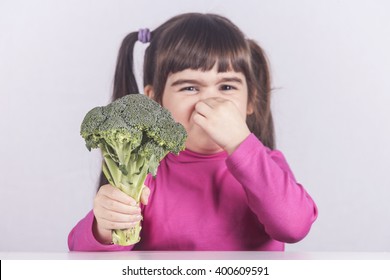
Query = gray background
x=330 y=63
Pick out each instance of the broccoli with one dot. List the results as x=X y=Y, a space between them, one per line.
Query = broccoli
x=134 y=133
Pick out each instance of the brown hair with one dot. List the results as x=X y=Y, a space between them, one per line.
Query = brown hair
x=199 y=41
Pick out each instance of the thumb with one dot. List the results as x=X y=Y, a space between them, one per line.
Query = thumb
x=145 y=195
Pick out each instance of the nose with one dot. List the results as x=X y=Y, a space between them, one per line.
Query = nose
x=209 y=92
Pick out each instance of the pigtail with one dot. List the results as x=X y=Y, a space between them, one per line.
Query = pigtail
x=124 y=78
x=261 y=121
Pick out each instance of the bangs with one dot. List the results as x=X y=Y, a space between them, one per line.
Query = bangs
x=200 y=43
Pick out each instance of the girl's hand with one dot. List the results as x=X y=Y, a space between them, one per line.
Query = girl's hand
x=113 y=209
x=222 y=120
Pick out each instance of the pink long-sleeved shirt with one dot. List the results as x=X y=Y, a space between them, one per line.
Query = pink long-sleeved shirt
x=249 y=200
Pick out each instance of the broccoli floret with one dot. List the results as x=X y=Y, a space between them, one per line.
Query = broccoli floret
x=134 y=134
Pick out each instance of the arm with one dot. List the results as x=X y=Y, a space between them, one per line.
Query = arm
x=113 y=209
x=281 y=204
x=81 y=237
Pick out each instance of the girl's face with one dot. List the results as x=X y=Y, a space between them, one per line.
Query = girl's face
x=183 y=90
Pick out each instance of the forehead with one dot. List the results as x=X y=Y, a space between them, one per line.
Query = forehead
x=207 y=76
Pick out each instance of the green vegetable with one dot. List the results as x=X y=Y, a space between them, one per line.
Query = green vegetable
x=134 y=134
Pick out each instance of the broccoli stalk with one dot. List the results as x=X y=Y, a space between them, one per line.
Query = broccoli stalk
x=134 y=133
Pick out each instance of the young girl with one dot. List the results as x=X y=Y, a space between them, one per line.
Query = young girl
x=229 y=190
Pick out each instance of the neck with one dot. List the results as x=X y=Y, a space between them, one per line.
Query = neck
x=204 y=149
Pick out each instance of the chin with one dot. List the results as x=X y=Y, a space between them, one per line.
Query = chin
x=199 y=141
x=203 y=147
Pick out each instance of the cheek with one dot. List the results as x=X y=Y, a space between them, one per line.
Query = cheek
x=245 y=108
x=181 y=111
x=184 y=115
x=242 y=107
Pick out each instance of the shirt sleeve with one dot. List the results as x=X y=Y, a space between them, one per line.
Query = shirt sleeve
x=81 y=238
x=281 y=204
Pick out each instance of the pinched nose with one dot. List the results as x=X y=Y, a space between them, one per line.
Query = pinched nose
x=207 y=93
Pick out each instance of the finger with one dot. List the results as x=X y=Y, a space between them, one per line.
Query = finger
x=117 y=217
x=116 y=194
x=145 y=195
x=213 y=101
x=203 y=108
x=119 y=207
x=199 y=120
x=107 y=224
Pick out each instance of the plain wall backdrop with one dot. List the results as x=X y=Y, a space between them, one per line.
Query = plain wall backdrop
x=330 y=62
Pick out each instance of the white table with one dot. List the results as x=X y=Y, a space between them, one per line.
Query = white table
x=194 y=255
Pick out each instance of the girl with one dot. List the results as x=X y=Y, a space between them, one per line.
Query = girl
x=229 y=190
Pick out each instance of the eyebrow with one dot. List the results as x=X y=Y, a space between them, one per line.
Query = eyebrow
x=197 y=82
x=185 y=81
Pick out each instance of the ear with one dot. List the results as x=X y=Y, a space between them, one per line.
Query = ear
x=149 y=92
x=249 y=109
